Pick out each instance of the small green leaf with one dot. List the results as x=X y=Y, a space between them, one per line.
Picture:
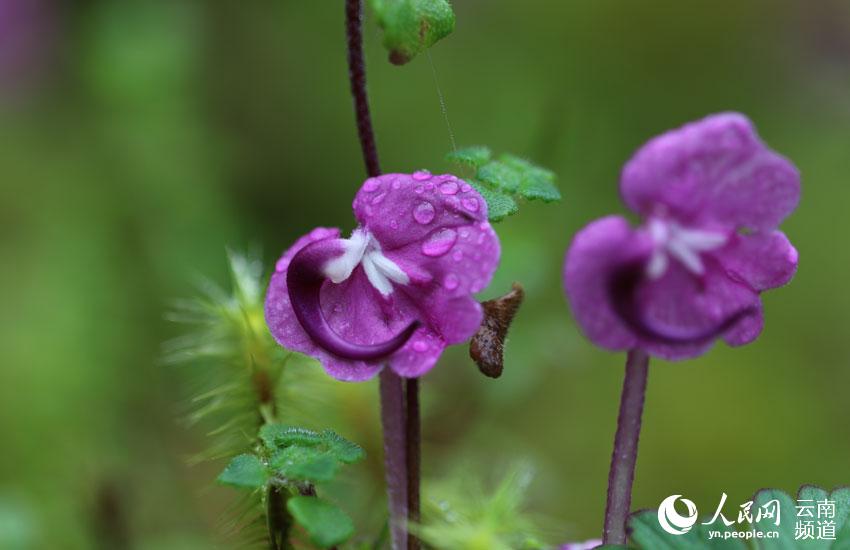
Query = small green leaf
x=244 y=471
x=304 y=464
x=275 y=436
x=500 y=175
x=341 y=448
x=412 y=26
x=500 y=182
x=499 y=205
x=326 y=524
x=536 y=183
x=473 y=156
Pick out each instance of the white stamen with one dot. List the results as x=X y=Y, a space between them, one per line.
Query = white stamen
x=657 y=264
x=363 y=248
x=671 y=239
x=388 y=268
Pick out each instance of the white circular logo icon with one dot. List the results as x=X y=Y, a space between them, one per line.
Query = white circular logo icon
x=671 y=521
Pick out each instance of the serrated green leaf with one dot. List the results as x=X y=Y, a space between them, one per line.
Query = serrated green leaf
x=500 y=175
x=326 y=524
x=341 y=448
x=304 y=464
x=499 y=205
x=275 y=436
x=648 y=535
x=536 y=183
x=473 y=156
x=788 y=517
x=412 y=26
x=244 y=471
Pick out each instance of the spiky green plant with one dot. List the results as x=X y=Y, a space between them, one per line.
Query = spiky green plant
x=459 y=513
x=246 y=388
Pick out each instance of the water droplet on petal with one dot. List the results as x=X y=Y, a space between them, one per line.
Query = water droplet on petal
x=372 y=184
x=396 y=184
x=418 y=189
x=470 y=203
x=464 y=233
x=420 y=346
x=481 y=237
x=465 y=187
x=424 y=213
x=449 y=188
x=378 y=198
x=422 y=175
x=429 y=186
x=457 y=255
x=394 y=224
x=451 y=281
x=439 y=243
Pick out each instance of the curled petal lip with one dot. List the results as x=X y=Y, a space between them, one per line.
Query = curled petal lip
x=304 y=279
x=623 y=286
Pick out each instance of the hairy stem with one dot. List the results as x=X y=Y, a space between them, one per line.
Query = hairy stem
x=357 y=77
x=395 y=454
x=624 y=457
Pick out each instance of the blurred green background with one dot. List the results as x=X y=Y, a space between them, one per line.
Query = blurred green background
x=139 y=139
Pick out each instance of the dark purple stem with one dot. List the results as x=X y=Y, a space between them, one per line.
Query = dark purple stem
x=413 y=456
x=399 y=405
x=395 y=453
x=357 y=77
x=624 y=457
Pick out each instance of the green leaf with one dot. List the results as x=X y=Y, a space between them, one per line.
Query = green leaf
x=275 y=436
x=473 y=156
x=787 y=527
x=244 y=471
x=326 y=524
x=412 y=26
x=499 y=205
x=500 y=182
x=536 y=183
x=304 y=464
x=341 y=448
x=648 y=534
x=500 y=175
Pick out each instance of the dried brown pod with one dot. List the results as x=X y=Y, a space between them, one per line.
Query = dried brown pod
x=488 y=345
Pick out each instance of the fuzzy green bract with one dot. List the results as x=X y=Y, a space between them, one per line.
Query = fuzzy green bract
x=504 y=180
x=647 y=534
x=459 y=513
x=325 y=523
x=412 y=26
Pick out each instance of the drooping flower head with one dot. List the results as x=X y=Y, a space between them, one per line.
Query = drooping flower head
x=398 y=290
x=711 y=196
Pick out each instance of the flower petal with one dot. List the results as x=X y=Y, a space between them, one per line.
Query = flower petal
x=713 y=304
x=713 y=172
x=286 y=329
x=596 y=253
x=762 y=260
x=400 y=209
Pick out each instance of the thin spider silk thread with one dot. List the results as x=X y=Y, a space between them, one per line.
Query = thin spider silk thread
x=442 y=99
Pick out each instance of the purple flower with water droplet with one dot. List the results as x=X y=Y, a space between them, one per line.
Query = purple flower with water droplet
x=398 y=290
x=711 y=195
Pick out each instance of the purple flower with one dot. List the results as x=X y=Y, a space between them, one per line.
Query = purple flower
x=398 y=290
x=711 y=195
